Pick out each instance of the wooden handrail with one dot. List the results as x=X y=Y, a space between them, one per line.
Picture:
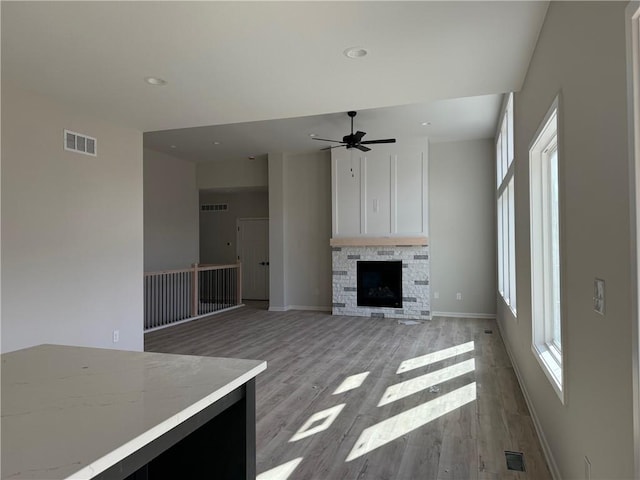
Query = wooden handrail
x=212 y=266
x=167 y=272
x=209 y=266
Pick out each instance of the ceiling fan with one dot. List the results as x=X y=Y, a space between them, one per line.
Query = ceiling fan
x=354 y=140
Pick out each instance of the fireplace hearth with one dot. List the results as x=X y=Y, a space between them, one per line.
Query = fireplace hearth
x=379 y=284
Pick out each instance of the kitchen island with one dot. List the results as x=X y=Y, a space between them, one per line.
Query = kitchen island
x=89 y=413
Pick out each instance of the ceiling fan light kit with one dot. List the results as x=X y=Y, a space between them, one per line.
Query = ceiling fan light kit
x=354 y=140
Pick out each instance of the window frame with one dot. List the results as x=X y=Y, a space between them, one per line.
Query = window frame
x=505 y=206
x=547 y=276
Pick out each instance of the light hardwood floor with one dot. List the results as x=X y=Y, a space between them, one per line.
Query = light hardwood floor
x=416 y=415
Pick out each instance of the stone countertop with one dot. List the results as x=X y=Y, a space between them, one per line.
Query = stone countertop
x=76 y=411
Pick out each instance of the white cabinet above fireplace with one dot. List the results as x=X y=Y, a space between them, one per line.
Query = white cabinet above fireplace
x=383 y=192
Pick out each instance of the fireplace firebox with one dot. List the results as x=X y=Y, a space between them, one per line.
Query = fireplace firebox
x=379 y=284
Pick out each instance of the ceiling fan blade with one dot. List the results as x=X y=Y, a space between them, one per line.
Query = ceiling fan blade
x=361 y=148
x=385 y=140
x=331 y=148
x=326 y=140
x=358 y=136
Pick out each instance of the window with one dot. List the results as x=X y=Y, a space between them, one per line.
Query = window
x=506 y=208
x=545 y=249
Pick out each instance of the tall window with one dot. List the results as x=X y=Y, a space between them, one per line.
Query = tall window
x=545 y=249
x=506 y=208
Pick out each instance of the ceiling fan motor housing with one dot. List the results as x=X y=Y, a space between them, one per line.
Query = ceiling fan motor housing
x=354 y=140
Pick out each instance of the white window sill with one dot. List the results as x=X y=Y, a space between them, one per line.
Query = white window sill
x=551 y=366
x=508 y=304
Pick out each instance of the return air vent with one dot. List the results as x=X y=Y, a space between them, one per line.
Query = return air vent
x=77 y=142
x=214 y=207
x=515 y=461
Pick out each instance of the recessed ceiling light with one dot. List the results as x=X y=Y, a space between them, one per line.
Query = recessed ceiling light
x=172 y=146
x=216 y=143
x=425 y=124
x=157 y=81
x=313 y=135
x=355 y=52
x=251 y=157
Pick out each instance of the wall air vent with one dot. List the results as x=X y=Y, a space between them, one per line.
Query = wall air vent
x=214 y=207
x=77 y=142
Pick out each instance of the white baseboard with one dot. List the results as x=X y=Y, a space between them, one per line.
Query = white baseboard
x=463 y=315
x=546 y=449
x=311 y=308
x=277 y=309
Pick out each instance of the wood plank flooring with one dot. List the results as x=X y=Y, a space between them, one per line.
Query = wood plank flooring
x=446 y=413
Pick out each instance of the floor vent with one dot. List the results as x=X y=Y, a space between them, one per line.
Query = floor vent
x=488 y=331
x=80 y=143
x=515 y=461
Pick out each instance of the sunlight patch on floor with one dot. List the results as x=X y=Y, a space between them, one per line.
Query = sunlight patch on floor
x=415 y=385
x=281 y=472
x=395 y=427
x=350 y=383
x=311 y=426
x=428 y=359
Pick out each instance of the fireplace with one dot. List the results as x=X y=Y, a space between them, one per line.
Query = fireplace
x=379 y=284
x=413 y=294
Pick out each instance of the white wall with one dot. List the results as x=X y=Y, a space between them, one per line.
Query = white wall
x=581 y=54
x=170 y=212
x=72 y=228
x=299 y=231
x=381 y=192
x=463 y=227
x=218 y=233
x=236 y=173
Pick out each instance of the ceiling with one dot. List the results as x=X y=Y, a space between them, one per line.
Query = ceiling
x=234 y=65
x=456 y=119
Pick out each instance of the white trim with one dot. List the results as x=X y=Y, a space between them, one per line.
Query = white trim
x=551 y=367
x=546 y=449
x=310 y=308
x=633 y=115
x=425 y=190
x=548 y=136
x=393 y=194
x=505 y=204
x=363 y=194
x=463 y=315
x=334 y=195
x=186 y=320
x=277 y=309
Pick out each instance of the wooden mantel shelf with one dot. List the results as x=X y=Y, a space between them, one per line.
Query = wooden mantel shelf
x=378 y=241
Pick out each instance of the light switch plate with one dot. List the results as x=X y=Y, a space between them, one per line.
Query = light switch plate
x=598 y=295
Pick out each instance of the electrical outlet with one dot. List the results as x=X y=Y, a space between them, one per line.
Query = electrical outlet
x=116 y=336
x=587 y=468
x=458 y=296
x=436 y=294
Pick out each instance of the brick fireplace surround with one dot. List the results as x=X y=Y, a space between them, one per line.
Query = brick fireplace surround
x=415 y=278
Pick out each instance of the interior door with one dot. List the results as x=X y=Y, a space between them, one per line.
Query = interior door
x=253 y=253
